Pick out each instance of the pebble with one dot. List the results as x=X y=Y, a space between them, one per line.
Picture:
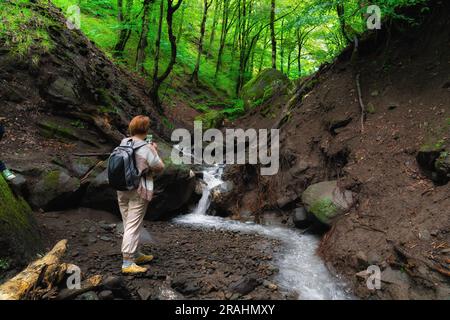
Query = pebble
x=106 y=295
x=144 y=293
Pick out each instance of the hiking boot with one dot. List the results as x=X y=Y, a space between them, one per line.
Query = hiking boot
x=8 y=175
x=143 y=258
x=133 y=268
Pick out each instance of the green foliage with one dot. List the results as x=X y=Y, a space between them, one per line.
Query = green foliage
x=308 y=33
x=22 y=30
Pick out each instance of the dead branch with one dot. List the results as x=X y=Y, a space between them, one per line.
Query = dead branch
x=47 y=270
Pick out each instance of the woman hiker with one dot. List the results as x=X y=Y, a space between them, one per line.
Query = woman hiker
x=6 y=173
x=133 y=204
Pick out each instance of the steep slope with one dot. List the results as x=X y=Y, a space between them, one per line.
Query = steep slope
x=65 y=106
x=401 y=219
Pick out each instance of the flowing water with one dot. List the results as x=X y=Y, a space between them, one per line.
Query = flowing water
x=301 y=270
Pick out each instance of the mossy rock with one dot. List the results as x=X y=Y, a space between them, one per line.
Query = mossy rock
x=326 y=201
x=51 y=130
x=267 y=83
x=212 y=119
x=54 y=190
x=324 y=210
x=442 y=166
x=63 y=91
x=19 y=236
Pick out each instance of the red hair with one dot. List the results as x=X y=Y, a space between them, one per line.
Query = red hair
x=139 y=125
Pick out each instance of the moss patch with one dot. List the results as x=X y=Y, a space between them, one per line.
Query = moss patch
x=19 y=236
x=23 y=30
x=324 y=210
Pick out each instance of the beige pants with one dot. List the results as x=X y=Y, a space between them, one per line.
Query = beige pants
x=133 y=208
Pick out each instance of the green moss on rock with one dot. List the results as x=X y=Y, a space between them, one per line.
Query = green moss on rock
x=324 y=210
x=264 y=86
x=19 y=236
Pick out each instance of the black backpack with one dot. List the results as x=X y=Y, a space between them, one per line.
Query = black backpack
x=123 y=173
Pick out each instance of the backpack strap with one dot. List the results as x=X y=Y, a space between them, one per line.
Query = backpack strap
x=129 y=142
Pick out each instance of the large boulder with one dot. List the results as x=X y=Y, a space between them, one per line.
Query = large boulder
x=54 y=189
x=19 y=236
x=173 y=189
x=264 y=86
x=326 y=200
x=434 y=159
x=63 y=91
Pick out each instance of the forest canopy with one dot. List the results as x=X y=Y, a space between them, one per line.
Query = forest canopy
x=222 y=44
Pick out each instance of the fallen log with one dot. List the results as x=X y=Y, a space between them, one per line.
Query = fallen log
x=47 y=270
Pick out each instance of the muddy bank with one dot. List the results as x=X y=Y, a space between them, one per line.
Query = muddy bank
x=193 y=263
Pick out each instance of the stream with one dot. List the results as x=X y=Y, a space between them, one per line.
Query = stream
x=300 y=269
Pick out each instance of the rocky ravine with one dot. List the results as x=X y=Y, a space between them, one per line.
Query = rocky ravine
x=396 y=166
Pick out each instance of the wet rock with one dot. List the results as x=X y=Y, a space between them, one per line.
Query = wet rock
x=80 y=166
x=327 y=201
x=270 y=285
x=19 y=185
x=107 y=226
x=90 y=295
x=301 y=218
x=106 y=295
x=63 y=91
x=55 y=190
x=175 y=187
x=199 y=187
x=442 y=166
x=144 y=293
x=164 y=292
x=113 y=283
x=244 y=285
x=185 y=285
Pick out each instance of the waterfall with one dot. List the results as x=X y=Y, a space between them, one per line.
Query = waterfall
x=300 y=269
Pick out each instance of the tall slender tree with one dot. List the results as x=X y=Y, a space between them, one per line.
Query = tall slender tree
x=159 y=79
x=272 y=34
x=143 y=36
x=206 y=5
x=124 y=19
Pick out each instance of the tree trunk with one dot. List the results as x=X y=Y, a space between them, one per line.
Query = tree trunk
x=214 y=26
x=47 y=269
x=143 y=39
x=282 y=47
x=223 y=36
x=158 y=80
x=124 y=20
x=180 y=29
x=206 y=5
x=272 y=34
